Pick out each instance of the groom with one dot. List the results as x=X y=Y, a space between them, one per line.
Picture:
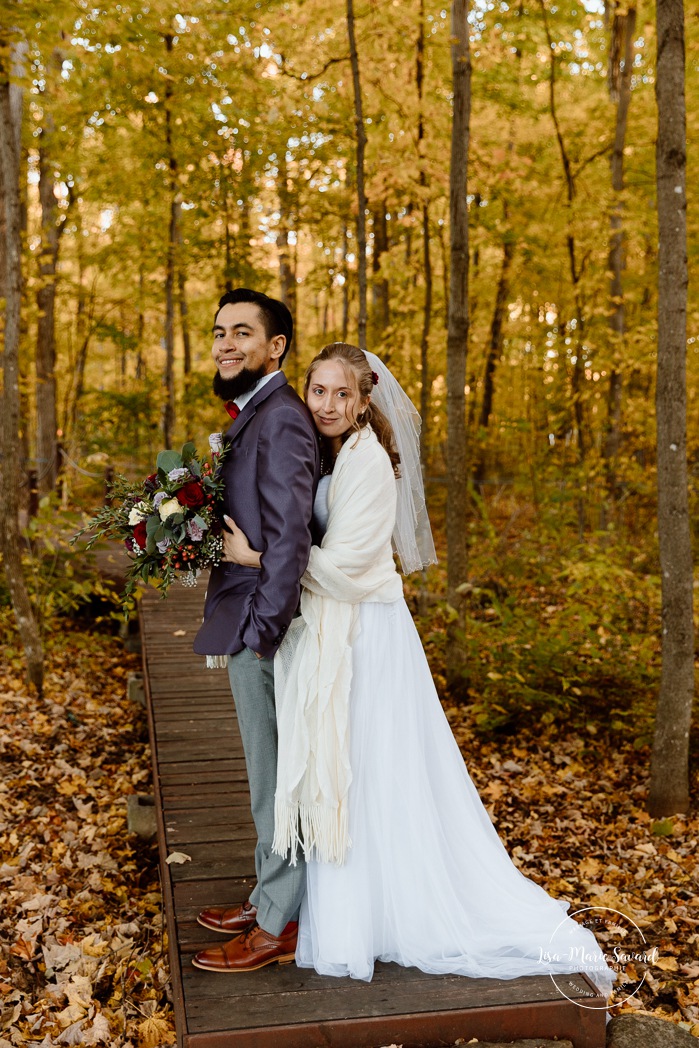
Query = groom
x=270 y=472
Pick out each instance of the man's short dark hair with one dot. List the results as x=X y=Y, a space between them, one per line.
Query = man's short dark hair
x=276 y=318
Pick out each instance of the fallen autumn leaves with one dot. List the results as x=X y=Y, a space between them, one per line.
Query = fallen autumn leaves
x=82 y=953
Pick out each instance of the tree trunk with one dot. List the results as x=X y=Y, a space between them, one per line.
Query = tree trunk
x=287 y=275
x=227 y=238
x=141 y=324
x=286 y=281
x=425 y=385
x=168 y=416
x=83 y=334
x=169 y=374
x=380 y=297
x=45 y=362
x=669 y=788
x=623 y=29
x=576 y=271
x=10 y=540
x=345 y=284
x=361 y=194
x=494 y=346
x=184 y=323
x=457 y=332
x=79 y=381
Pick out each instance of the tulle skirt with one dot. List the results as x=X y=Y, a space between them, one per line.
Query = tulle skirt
x=427 y=882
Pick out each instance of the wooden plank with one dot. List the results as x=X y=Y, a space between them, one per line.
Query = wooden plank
x=192 y=896
x=544 y=1020
x=443 y=991
x=208 y=794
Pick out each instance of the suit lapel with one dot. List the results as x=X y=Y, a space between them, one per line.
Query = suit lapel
x=248 y=412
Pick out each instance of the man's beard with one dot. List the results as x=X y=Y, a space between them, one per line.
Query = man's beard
x=243 y=382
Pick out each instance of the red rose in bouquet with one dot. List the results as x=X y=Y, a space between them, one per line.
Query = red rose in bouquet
x=191 y=494
x=139 y=534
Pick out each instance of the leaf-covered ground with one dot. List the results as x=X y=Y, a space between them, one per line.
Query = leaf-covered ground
x=82 y=950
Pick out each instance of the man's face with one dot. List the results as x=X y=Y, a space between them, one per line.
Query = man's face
x=241 y=343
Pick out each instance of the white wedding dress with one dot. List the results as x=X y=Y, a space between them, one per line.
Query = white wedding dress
x=427 y=882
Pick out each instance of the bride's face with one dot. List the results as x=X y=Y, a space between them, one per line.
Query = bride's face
x=333 y=403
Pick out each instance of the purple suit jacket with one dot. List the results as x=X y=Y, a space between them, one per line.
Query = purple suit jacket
x=271 y=473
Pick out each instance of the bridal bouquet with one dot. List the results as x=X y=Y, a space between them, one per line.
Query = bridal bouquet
x=170 y=523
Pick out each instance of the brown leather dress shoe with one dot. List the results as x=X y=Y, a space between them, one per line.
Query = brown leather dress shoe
x=231 y=920
x=251 y=950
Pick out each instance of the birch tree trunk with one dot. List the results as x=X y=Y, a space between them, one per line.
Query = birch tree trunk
x=360 y=136
x=669 y=788
x=10 y=540
x=457 y=329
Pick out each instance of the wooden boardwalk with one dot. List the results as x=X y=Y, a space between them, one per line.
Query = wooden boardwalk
x=203 y=811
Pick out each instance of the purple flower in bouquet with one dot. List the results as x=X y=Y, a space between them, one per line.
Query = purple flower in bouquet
x=180 y=473
x=195 y=532
x=157 y=499
x=164 y=545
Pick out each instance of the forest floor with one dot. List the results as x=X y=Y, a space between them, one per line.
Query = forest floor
x=82 y=948
x=555 y=730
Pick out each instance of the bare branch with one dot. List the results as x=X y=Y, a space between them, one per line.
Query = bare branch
x=307 y=78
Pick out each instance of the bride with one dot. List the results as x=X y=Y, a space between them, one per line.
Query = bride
x=403 y=862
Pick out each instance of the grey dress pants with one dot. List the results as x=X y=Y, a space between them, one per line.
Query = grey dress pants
x=280 y=887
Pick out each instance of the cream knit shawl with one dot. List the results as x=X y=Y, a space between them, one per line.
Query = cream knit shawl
x=313 y=667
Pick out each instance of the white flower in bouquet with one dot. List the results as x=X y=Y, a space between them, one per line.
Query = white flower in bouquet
x=216 y=443
x=167 y=508
x=138 y=513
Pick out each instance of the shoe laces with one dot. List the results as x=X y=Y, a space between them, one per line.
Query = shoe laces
x=245 y=935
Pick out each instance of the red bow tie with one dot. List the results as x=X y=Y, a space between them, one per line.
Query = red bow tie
x=232 y=409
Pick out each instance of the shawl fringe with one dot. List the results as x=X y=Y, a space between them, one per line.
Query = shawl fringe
x=321 y=832
x=216 y=662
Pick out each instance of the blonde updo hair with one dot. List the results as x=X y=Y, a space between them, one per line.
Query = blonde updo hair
x=360 y=375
